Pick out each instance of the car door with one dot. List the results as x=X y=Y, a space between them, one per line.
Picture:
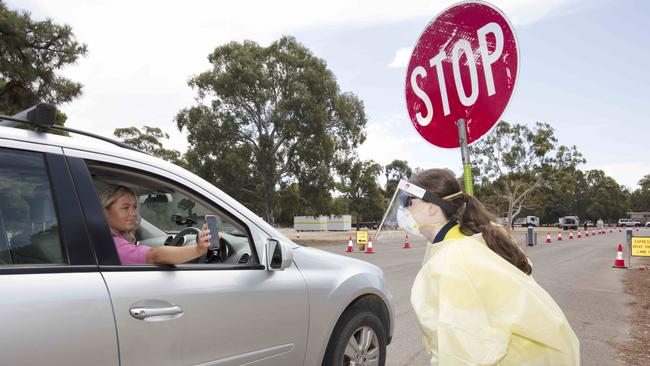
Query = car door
x=208 y=314
x=54 y=305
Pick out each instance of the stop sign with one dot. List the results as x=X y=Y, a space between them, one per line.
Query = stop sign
x=463 y=66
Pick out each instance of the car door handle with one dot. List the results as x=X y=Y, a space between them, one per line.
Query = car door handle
x=143 y=313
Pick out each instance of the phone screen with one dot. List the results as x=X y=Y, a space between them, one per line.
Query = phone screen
x=211 y=220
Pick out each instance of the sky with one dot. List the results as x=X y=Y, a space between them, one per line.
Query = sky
x=582 y=66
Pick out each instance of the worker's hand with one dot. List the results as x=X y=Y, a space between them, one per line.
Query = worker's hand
x=203 y=240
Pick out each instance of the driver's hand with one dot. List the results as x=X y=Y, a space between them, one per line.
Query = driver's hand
x=203 y=239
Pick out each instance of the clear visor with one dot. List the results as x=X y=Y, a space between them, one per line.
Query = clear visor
x=402 y=200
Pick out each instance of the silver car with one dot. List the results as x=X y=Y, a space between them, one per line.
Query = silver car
x=259 y=300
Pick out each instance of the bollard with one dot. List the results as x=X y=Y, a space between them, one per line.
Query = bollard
x=531 y=237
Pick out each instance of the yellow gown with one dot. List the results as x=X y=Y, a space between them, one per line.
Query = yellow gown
x=475 y=308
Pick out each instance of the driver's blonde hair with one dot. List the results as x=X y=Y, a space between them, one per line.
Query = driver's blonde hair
x=111 y=193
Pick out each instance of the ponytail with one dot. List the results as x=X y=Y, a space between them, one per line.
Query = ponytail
x=474 y=218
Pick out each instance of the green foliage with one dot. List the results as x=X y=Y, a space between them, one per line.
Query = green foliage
x=606 y=199
x=640 y=198
x=514 y=162
x=31 y=54
x=358 y=183
x=148 y=140
x=268 y=117
x=396 y=171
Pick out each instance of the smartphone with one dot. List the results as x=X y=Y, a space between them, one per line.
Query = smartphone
x=213 y=226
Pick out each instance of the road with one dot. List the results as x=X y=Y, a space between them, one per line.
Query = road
x=577 y=273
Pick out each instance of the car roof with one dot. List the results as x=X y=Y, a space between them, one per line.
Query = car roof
x=93 y=145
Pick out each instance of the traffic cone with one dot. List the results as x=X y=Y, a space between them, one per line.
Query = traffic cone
x=619 y=262
x=620 y=230
x=571 y=235
x=350 y=247
x=297 y=234
x=559 y=236
x=548 y=237
x=579 y=234
x=407 y=245
x=587 y=233
x=369 y=249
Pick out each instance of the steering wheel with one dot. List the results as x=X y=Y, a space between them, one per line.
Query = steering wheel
x=179 y=239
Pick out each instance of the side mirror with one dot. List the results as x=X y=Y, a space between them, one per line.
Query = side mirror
x=278 y=255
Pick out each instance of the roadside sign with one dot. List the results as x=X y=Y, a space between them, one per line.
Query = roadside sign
x=641 y=246
x=362 y=237
x=464 y=66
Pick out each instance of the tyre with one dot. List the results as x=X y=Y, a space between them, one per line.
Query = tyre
x=359 y=338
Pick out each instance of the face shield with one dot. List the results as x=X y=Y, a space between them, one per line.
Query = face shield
x=398 y=216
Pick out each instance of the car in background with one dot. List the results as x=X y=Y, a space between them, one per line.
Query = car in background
x=627 y=223
x=256 y=298
x=589 y=223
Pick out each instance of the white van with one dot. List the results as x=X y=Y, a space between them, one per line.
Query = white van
x=527 y=221
x=568 y=222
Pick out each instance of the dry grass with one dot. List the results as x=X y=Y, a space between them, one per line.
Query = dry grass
x=637 y=284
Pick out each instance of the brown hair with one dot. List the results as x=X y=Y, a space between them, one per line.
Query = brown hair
x=472 y=216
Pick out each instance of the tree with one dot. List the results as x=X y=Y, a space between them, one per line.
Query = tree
x=396 y=171
x=640 y=198
x=359 y=185
x=270 y=115
x=148 y=141
x=31 y=54
x=517 y=161
x=607 y=199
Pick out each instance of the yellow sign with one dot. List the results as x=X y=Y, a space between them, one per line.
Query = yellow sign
x=641 y=247
x=362 y=237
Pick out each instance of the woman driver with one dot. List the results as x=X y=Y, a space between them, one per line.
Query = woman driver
x=121 y=210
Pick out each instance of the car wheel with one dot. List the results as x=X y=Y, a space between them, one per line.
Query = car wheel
x=359 y=339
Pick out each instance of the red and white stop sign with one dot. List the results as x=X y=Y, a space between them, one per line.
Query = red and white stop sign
x=463 y=66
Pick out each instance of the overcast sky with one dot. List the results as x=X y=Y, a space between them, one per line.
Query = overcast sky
x=583 y=66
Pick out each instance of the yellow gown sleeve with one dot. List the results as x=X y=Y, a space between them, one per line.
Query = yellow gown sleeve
x=455 y=327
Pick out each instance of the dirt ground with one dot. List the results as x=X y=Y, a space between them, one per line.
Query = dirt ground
x=637 y=283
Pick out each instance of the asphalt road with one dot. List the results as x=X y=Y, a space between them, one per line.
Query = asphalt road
x=577 y=273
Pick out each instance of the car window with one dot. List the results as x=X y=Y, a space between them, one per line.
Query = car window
x=29 y=229
x=169 y=213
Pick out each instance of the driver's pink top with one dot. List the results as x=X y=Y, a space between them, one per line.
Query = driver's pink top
x=130 y=253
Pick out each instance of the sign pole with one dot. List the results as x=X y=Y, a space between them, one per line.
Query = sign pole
x=464 y=151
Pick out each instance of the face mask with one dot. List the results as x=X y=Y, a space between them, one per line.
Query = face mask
x=406 y=221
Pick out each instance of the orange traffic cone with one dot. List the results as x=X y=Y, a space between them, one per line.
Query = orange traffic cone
x=619 y=262
x=407 y=245
x=571 y=235
x=559 y=236
x=350 y=247
x=548 y=237
x=369 y=249
x=579 y=234
x=587 y=233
